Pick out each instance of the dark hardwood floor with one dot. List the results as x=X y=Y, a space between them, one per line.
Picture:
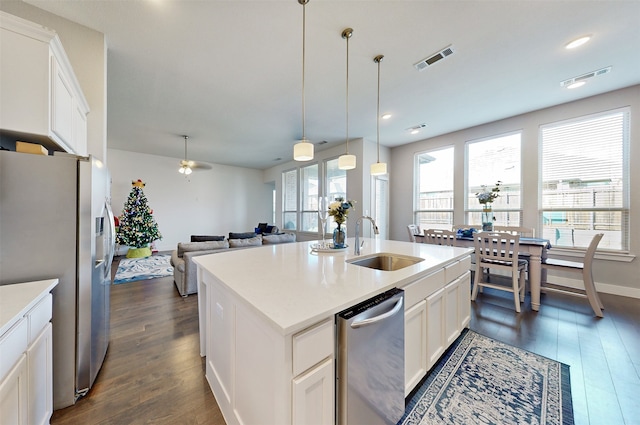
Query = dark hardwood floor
x=153 y=373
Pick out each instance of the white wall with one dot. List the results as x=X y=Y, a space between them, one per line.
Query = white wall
x=616 y=276
x=210 y=202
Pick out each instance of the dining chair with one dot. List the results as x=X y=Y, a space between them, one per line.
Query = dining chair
x=498 y=250
x=585 y=268
x=517 y=230
x=440 y=237
x=413 y=230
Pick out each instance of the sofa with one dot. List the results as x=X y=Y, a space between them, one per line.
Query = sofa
x=184 y=268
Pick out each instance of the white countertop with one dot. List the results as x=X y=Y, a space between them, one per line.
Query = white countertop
x=18 y=298
x=293 y=287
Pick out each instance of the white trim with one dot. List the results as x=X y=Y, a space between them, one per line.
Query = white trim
x=605 y=288
x=606 y=255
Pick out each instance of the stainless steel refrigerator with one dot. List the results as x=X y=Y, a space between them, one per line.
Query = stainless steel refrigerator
x=56 y=222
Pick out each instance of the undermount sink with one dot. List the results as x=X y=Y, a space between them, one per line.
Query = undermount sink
x=386 y=261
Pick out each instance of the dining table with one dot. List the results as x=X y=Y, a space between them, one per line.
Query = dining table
x=536 y=251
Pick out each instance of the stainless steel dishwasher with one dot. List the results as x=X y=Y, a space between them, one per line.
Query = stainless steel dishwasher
x=370 y=375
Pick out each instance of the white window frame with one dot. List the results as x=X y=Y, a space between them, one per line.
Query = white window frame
x=505 y=215
x=445 y=224
x=579 y=241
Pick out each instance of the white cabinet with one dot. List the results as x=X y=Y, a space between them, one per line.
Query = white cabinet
x=415 y=340
x=438 y=308
x=26 y=372
x=313 y=395
x=41 y=97
x=257 y=374
x=13 y=395
x=40 y=372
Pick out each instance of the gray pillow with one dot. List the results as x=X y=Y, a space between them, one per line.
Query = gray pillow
x=206 y=238
x=201 y=246
x=245 y=235
x=281 y=238
x=238 y=243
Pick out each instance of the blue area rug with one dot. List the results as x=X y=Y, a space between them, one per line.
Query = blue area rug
x=482 y=381
x=131 y=269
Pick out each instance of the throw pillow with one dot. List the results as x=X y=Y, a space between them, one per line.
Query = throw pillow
x=275 y=239
x=238 y=243
x=201 y=246
x=205 y=238
x=245 y=235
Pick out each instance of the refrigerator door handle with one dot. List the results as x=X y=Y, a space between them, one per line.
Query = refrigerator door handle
x=364 y=322
x=112 y=234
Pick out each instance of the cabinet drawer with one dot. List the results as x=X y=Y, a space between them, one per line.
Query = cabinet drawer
x=457 y=269
x=39 y=316
x=422 y=288
x=312 y=345
x=12 y=344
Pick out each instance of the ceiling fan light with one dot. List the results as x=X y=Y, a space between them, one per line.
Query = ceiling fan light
x=181 y=170
x=187 y=171
x=378 y=168
x=347 y=162
x=303 y=150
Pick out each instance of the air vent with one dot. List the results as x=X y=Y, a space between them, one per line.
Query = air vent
x=586 y=76
x=436 y=57
x=416 y=128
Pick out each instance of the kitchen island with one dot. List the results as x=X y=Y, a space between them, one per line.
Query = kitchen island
x=267 y=324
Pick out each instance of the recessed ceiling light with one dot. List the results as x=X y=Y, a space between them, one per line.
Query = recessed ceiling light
x=386 y=116
x=576 y=84
x=577 y=42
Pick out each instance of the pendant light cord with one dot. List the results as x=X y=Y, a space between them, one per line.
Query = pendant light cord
x=304 y=18
x=378 y=59
x=348 y=36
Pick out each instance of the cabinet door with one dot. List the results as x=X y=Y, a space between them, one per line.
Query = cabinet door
x=435 y=327
x=61 y=105
x=451 y=316
x=415 y=345
x=40 y=373
x=313 y=396
x=464 y=297
x=79 y=130
x=13 y=395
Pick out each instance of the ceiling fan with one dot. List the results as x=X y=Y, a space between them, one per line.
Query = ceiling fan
x=187 y=166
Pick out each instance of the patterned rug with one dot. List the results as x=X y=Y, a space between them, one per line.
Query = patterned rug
x=483 y=381
x=131 y=269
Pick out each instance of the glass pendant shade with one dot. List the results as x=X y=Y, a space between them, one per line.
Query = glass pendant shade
x=347 y=162
x=303 y=150
x=378 y=168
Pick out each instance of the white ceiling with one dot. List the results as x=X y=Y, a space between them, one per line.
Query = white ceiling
x=229 y=73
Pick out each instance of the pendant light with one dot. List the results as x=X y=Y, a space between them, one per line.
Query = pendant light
x=379 y=168
x=347 y=161
x=303 y=150
x=185 y=165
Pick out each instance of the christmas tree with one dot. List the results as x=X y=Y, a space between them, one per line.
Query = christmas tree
x=137 y=228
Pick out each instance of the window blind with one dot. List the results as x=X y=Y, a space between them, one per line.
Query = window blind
x=585 y=179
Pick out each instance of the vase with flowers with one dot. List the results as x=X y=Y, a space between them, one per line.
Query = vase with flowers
x=486 y=198
x=339 y=210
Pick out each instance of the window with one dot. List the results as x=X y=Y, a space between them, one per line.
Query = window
x=289 y=199
x=489 y=161
x=434 y=189
x=309 y=198
x=301 y=194
x=335 y=183
x=585 y=180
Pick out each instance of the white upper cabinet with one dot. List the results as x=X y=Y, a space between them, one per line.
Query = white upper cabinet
x=41 y=97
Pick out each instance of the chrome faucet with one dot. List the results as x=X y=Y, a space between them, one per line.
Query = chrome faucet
x=356 y=248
